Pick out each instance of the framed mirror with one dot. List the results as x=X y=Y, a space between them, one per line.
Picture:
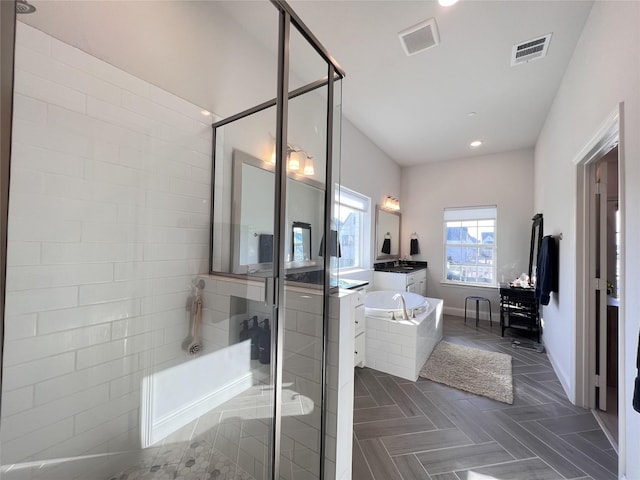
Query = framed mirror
x=252 y=218
x=534 y=250
x=387 y=234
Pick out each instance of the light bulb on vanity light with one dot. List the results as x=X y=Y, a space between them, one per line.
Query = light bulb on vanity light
x=294 y=161
x=308 y=166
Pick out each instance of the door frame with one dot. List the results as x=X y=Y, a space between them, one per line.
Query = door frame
x=610 y=132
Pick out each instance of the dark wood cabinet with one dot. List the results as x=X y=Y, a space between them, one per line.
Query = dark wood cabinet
x=519 y=310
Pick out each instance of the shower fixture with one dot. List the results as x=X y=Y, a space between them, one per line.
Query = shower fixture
x=22 y=6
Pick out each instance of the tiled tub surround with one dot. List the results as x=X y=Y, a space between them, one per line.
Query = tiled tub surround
x=401 y=347
x=108 y=225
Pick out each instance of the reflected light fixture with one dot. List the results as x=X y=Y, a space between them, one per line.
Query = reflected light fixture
x=308 y=166
x=298 y=160
x=294 y=161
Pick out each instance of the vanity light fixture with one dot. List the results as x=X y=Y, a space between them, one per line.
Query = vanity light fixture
x=391 y=203
x=297 y=160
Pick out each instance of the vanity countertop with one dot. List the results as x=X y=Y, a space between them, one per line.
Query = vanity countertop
x=400 y=267
x=351 y=284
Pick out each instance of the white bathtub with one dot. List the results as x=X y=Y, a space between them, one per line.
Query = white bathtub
x=381 y=303
x=401 y=347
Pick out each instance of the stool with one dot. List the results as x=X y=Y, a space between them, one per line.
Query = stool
x=478 y=300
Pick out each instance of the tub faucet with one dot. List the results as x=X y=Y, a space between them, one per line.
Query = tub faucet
x=405 y=315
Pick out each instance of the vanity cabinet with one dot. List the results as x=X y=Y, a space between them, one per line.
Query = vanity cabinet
x=358 y=328
x=412 y=281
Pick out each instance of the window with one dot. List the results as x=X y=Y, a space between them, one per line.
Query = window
x=470 y=245
x=352 y=210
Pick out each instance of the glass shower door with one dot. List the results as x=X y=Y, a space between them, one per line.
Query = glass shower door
x=309 y=200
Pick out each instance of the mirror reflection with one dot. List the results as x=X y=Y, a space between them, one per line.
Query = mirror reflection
x=387 y=234
x=534 y=250
x=253 y=212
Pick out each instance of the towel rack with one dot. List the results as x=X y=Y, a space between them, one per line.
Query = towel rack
x=414 y=235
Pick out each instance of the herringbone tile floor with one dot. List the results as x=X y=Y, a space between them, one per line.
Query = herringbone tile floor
x=423 y=430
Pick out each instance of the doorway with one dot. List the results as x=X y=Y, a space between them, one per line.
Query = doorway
x=600 y=277
x=605 y=292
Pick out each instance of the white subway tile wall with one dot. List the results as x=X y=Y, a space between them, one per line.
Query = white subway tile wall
x=108 y=225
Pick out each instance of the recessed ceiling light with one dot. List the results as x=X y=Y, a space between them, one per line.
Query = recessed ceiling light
x=472 y=114
x=476 y=143
x=446 y=3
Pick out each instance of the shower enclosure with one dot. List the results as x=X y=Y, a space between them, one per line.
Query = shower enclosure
x=163 y=153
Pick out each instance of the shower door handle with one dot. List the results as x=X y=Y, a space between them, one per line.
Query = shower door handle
x=270 y=287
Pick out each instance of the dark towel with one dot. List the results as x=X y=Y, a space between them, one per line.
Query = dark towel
x=386 y=246
x=636 y=391
x=336 y=248
x=265 y=248
x=547 y=275
x=414 y=248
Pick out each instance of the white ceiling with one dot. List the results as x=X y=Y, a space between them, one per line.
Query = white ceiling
x=416 y=108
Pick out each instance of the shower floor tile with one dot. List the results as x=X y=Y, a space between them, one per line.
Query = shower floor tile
x=200 y=462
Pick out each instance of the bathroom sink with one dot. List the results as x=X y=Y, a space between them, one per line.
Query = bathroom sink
x=402 y=269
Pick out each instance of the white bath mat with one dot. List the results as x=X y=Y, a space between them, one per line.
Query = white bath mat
x=472 y=370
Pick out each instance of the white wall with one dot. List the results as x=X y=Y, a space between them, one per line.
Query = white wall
x=604 y=70
x=505 y=180
x=369 y=171
x=192 y=49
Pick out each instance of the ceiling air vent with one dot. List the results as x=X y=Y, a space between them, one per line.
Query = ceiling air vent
x=420 y=37
x=530 y=50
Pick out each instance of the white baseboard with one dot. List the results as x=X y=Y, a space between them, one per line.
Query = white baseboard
x=563 y=380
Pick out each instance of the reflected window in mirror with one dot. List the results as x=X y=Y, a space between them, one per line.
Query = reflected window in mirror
x=301 y=242
x=353 y=219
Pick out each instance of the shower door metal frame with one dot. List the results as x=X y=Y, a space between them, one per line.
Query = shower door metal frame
x=334 y=73
x=7 y=51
